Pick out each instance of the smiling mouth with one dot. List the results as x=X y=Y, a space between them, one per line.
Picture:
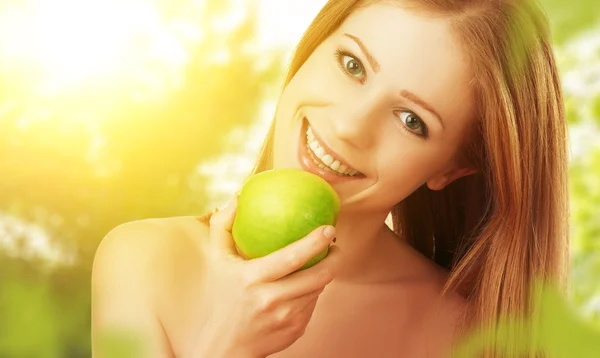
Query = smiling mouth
x=325 y=158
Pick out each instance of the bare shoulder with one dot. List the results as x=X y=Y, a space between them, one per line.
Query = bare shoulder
x=443 y=309
x=146 y=247
x=151 y=254
x=444 y=319
x=134 y=272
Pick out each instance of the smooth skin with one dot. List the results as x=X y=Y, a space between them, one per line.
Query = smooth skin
x=183 y=288
x=187 y=293
x=250 y=308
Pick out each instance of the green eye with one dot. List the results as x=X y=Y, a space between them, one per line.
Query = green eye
x=412 y=123
x=350 y=64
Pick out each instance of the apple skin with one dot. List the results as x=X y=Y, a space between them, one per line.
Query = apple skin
x=280 y=206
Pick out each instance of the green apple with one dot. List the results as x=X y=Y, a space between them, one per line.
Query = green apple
x=279 y=206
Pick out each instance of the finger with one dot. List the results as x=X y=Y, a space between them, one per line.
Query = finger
x=309 y=307
x=308 y=310
x=221 y=224
x=312 y=279
x=291 y=257
x=300 y=304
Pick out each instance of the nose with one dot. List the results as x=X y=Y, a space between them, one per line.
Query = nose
x=358 y=122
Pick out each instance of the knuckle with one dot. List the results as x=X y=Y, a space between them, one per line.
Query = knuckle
x=283 y=316
x=247 y=279
x=297 y=326
x=295 y=259
x=266 y=302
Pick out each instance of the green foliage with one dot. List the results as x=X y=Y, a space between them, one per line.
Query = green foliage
x=596 y=106
x=554 y=328
x=585 y=194
x=29 y=315
x=43 y=313
x=569 y=19
x=120 y=344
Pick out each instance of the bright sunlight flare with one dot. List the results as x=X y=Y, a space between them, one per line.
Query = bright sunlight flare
x=67 y=43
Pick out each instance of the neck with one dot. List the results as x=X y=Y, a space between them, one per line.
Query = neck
x=367 y=244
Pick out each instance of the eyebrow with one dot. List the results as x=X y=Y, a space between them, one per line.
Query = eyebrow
x=418 y=101
x=372 y=61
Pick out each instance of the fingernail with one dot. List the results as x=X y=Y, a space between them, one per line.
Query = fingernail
x=329 y=232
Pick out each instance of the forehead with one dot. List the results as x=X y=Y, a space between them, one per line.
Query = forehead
x=417 y=52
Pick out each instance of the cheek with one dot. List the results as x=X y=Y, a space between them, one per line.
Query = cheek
x=404 y=164
x=401 y=177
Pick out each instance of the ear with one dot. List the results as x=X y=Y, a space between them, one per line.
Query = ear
x=439 y=182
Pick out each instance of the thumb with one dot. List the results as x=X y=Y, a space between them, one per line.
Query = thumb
x=221 y=224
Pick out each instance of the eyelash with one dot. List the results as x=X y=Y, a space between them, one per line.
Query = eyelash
x=339 y=56
x=423 y=135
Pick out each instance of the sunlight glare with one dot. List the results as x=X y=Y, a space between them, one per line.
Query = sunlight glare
x=71 y=42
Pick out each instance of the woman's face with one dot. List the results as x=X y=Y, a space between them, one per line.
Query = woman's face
x=383 y=106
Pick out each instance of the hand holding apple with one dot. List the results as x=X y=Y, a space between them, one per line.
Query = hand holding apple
x=260 y=306
x=278 y=207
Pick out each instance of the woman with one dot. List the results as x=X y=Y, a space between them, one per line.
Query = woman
x=446 y=113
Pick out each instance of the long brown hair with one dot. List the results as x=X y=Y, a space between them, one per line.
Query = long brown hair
x=498 y=230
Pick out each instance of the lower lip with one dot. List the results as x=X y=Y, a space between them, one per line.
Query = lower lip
x=309 y=165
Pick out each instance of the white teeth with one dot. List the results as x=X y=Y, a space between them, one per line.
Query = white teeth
x=320 y=152
x=335 y=166
x=326 y=161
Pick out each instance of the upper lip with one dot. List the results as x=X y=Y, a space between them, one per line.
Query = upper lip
x=329 y=150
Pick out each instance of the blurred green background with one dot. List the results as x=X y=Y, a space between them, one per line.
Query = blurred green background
x=118 y=110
